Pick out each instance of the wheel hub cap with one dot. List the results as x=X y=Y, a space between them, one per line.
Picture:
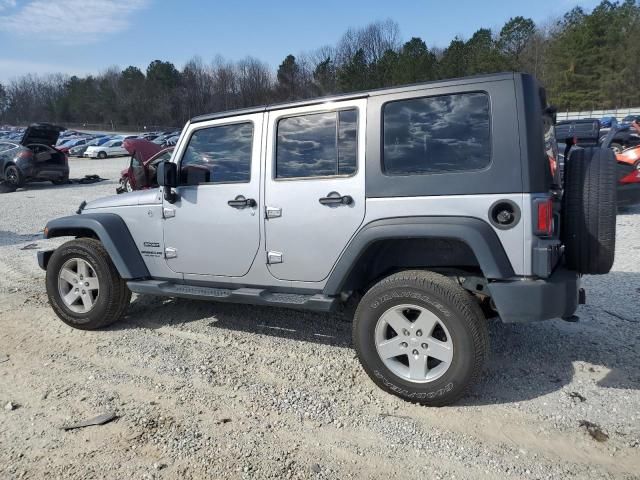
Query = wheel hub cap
x=78 y=285
x=413 y=343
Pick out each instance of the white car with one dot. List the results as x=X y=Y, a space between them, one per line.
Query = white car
x=112 y=148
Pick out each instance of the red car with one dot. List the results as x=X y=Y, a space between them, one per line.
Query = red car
x=141 y=173
x=629 y=176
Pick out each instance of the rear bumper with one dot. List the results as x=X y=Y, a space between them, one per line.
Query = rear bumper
x=628 y=194
x=529 y=300
x=27 y=167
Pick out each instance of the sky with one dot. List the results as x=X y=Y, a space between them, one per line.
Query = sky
x=88 y=36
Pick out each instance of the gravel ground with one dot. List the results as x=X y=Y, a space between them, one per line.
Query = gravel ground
x=204 y=390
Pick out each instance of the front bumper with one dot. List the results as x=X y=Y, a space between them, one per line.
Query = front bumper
x=528 y=299
x=628 y=194
x=43 y=258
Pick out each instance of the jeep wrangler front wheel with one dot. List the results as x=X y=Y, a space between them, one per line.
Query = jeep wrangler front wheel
x=420 y=336
x=84 y=287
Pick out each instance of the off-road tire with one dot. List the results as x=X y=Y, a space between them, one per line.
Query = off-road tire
x=454 y=306
x=13 y=176
x=589 y=216
x=113 y=298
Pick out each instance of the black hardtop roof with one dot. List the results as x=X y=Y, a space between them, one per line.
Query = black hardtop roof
x=355 y=95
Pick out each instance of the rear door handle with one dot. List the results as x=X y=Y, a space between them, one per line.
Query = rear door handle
x=241 y=202
x=335 y=199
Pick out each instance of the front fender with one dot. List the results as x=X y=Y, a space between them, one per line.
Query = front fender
x=112 y=231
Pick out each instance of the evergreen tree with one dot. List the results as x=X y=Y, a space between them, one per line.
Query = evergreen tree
x=354 y=75
x=415 y=63
x=288 y=87
x=324 y=77
x=455 y=60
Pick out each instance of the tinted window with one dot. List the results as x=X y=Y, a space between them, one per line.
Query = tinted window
x=218 y=154
x=317 y=145
x=437 y=134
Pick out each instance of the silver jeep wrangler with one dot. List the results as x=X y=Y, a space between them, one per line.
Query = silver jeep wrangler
x=430 y=207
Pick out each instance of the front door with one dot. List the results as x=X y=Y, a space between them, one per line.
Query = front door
x=214 y=226
x=314 y=187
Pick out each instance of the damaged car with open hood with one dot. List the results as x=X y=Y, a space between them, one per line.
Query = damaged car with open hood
x=34 y=158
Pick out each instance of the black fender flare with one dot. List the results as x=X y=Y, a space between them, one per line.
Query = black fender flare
x=477 y=234
x=112 y=231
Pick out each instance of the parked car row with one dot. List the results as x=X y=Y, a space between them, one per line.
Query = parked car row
x=41 y=151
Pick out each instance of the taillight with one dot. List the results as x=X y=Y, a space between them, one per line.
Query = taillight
x=25 y=154
x=543 y=217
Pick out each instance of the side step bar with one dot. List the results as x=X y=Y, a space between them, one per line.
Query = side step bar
x=253 y=296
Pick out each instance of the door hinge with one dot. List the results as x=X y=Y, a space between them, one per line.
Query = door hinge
x=168 y=212
x=274 y=257
x=170 y=252
x=273 y=212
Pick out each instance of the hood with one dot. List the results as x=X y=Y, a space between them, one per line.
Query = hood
x=144 y=149
x=44 y=133
x=140 y=197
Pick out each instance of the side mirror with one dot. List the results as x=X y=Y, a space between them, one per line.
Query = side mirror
x=167 y=175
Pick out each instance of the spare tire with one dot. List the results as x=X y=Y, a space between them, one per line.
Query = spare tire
x=589 y=210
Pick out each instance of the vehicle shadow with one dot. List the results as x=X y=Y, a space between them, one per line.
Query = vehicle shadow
x=32 y=186
x=155 y=312
x=526 y=361
x=12 y=238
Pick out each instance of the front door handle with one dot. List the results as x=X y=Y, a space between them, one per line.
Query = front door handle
x=335 y=199
x=241 y=202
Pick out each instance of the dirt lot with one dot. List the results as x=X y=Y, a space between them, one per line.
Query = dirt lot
x=205 y=390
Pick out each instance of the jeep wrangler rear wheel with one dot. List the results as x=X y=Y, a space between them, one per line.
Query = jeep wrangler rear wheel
x=84 y=287
x=421 y=336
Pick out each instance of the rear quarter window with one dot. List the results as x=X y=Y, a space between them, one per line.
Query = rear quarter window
x=448 y=133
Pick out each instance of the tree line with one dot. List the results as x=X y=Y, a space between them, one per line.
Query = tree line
x=586 y=60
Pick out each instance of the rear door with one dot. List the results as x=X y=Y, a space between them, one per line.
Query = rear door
x=314 y=187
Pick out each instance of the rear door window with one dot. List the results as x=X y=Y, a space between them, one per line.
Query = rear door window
x=317 y=145
x=448 y=133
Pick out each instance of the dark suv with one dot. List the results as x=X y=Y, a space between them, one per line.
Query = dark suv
x=35 y=158
x=430 y=207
